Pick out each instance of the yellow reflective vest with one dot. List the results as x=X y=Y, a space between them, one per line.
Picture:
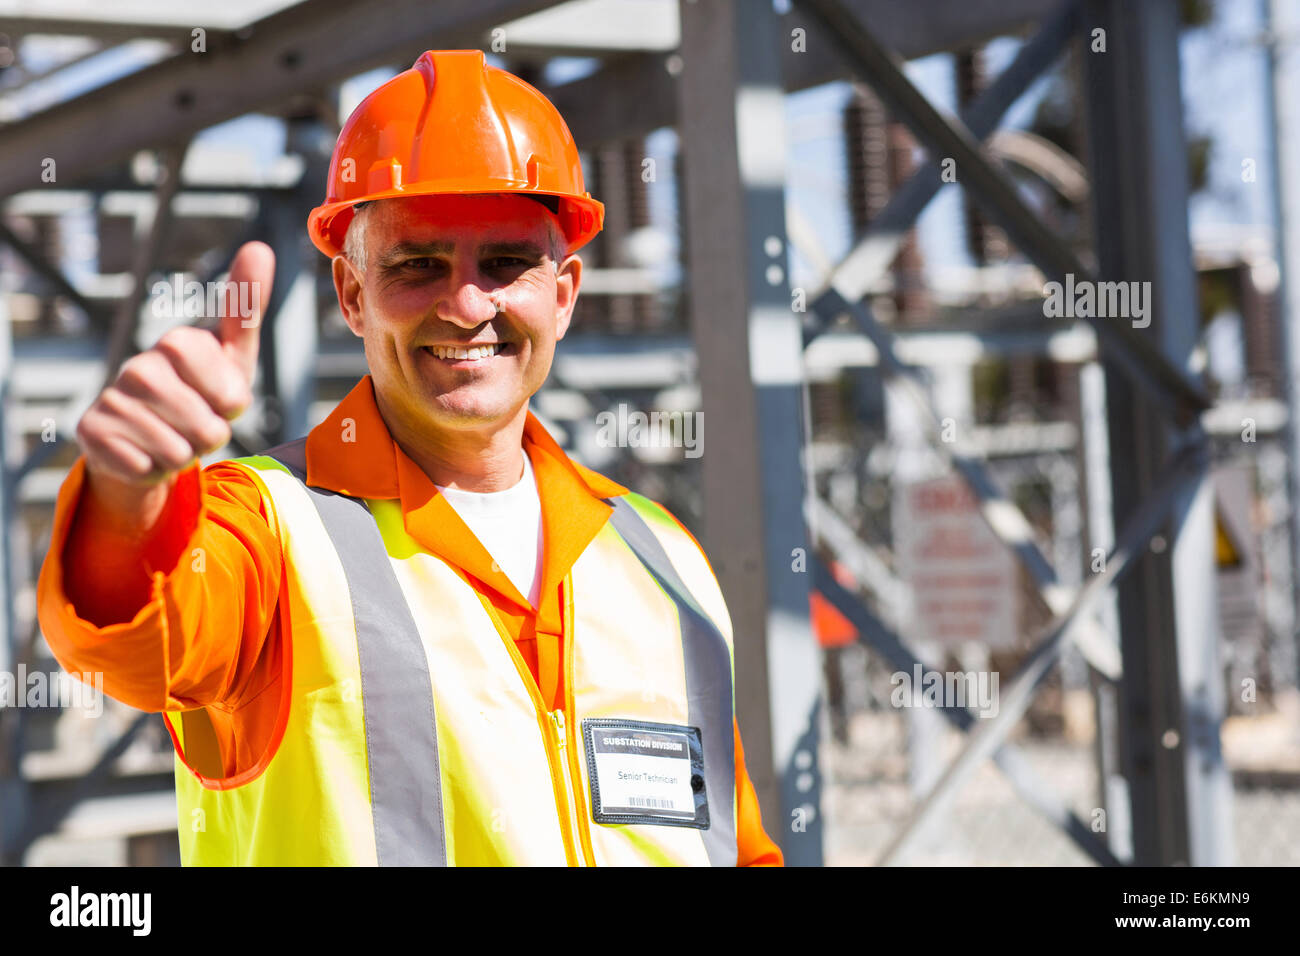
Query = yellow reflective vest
x=413 y=733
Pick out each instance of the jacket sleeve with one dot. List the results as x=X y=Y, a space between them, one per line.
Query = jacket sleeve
x=754 y=846
x=213 y=566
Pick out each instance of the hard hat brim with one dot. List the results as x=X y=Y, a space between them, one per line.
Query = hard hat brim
x=580 y=217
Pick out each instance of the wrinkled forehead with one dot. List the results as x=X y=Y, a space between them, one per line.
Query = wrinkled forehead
x=469 y=217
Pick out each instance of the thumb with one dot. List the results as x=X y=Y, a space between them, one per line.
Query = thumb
x=246 y=296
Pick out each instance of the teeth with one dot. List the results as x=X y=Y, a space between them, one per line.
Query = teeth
x=472 y=354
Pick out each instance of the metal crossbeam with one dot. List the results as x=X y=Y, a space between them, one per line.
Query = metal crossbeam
x=1182 y=473
x=121 y=338
x=872 y=255
x=120 y=31
x=877 y=248
x=1168 y=385
x=50 y=273
x=1155 y=371
x=1002 y=516
x=879 y=243
x=46 y=819
x=634 y=94
x=1013 y=764
x=300 y=49
x=861 y=560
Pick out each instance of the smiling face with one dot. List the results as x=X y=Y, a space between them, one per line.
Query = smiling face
x=442 y=356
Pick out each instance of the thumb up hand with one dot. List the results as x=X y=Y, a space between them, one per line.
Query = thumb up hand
x=174 y=403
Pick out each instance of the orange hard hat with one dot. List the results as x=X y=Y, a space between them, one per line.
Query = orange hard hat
x=454 y=124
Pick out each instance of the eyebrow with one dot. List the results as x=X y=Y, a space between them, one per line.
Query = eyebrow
x=408 y=247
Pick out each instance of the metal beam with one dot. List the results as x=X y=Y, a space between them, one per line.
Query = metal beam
x=1171 y=697
x=1002 y=516
x=1283 y=102
x=1013 y=764
x=628 y=96
x=46 y=817
x=635 y=94
x=51 y=274
x=1164 y=382
x=291 y=328
x=10 y=453
x=876 y=248
x=121 y=338
x=14 y=90
x=1181 y=474
x=117 y=31
x=919 y=29
x=594 y=28
x=300 y=49
x=860 y=559
x=748 y=343
x=873 y=253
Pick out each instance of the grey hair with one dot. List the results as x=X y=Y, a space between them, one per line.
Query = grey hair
x=354 y=240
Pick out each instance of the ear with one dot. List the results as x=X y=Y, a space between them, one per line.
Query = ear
x=347 y=286
x=567 y=281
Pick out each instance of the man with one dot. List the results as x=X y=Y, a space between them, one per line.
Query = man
x=421 y=635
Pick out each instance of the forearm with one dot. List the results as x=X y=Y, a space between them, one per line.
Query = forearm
x=117 y=537
x=196 y=600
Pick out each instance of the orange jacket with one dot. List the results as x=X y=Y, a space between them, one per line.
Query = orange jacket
x=179 y=650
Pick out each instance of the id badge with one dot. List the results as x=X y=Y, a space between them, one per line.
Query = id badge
x=643 y=772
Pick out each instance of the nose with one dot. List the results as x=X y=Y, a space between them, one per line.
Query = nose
x=466 y=303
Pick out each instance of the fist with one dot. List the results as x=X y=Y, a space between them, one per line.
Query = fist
x=174 y=403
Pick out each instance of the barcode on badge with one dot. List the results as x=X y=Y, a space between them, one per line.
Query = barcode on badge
x=651 y=802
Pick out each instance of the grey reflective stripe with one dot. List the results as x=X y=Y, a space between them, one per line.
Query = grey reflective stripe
x=396 y=693
x=293 y=455
x=708 y=682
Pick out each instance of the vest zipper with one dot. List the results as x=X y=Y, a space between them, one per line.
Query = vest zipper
x=581 y=814
x=557 y=717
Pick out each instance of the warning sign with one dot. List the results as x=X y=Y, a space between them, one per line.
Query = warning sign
x=961 y=582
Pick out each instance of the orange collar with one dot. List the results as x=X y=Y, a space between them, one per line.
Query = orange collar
x=351 y=452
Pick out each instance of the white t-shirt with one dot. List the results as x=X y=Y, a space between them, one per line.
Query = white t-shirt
x=509 y=526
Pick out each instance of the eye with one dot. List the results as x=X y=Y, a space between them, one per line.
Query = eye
x=508 y=262
x=418 y=262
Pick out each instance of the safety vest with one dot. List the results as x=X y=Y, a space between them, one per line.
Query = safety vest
x=413 y=733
